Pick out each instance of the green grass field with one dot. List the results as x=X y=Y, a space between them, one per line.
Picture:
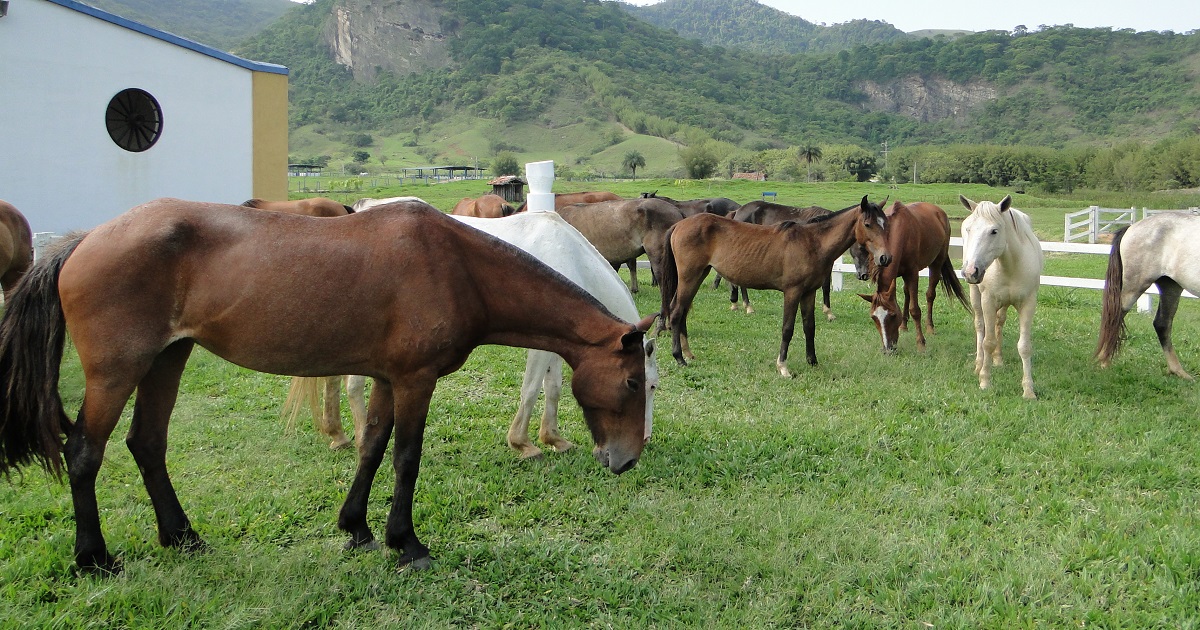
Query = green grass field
x=869 y=491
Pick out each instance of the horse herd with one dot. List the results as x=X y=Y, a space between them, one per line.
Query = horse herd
x=259 y=284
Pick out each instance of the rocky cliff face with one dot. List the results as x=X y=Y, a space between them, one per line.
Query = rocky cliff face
x=926 y=100
x=399 y=36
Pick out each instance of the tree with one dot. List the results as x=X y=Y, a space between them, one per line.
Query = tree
x=810 y=153
x=361 y=156
x=505 y=164
x=699 y=160
x=633 y=161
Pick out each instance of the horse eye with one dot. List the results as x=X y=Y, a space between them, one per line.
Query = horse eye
x=995 y=232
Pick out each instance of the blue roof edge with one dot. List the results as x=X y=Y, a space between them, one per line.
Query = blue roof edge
x=172 y=38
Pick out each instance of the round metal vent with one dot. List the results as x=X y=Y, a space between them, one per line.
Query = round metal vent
x=134 y=120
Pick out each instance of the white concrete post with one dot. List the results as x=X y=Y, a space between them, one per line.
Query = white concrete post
x=540 y=176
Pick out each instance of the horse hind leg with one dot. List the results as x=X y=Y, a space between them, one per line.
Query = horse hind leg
x=553 y=385
x=537 y=365
x=147 y=441
x=356 y=397
x=1164 y=319
x=331 y=419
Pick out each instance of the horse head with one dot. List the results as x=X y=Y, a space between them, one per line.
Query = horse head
x=885 y=312
x=871 y=232
x=985 y=235
x=615 y=408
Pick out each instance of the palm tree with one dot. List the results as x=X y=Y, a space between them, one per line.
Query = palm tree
x=810 y=153
x=633 y=161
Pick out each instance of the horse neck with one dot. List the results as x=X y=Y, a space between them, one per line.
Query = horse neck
x=837 y=233
x=530 y=309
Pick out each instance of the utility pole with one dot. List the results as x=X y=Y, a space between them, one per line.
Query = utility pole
x=885 y=152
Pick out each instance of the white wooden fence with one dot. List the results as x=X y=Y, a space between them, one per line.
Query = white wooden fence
x=1090 y=222
x=1143 y=304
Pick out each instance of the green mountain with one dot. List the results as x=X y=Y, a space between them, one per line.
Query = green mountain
x=748 y=25
x=222 y=24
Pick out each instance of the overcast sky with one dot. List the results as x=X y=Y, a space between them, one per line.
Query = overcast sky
x=1180 y=16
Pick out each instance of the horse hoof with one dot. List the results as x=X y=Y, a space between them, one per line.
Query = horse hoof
x=560 y=445
x=532 y=452
x=1029 y=395
x=339 y=444
x=830 y=317
x=749 y=311
x=108 y=566
x=369 y=544
x=407 y=563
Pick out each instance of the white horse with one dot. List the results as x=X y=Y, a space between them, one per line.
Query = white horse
x=1159 y=250
x=1002 y=261
x=549 y=238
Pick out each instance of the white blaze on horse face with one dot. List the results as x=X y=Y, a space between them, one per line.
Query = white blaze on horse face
x=880 y=315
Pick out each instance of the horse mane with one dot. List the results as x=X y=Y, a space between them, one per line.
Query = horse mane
x=253 y=203
x=1021 y=222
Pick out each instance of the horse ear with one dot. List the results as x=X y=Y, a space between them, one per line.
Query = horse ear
x=646 y=322
x=634 y=339
x=1005 y=203
x=967 y=203
x=869 y=298
x=864 y=204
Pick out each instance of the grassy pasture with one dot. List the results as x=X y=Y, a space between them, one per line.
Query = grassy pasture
x=869 y=491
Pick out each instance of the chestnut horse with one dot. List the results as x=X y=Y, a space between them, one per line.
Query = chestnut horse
x=311 y=207
x=16 y=246
x=488 y=206
x=789 y=257
x=714 y=205
x=769 y=213
x=139 y=292
x=918 y=236
x=567 y=199
x=1158 y=250
x=624 y=229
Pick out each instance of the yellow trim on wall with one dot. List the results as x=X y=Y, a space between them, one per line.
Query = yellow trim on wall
x=270 y=120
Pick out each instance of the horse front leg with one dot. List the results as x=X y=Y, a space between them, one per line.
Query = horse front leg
x=912 y=307
x=411 y=411
x=352 y=518
x=791 y=303
x=980 y=328
x=990 y=346
x=147 y=441
x=825 y=288
x=1025 y=345
x=1164 y=318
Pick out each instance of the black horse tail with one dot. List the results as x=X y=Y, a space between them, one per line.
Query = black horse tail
x=32 y=335
x=950 y=277
x=668 y=281
x=349 y=210
x=1112 y=312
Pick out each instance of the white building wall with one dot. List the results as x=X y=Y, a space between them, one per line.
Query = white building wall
x=59 y=69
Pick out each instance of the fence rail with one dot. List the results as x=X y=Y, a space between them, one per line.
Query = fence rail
x=1095 y=220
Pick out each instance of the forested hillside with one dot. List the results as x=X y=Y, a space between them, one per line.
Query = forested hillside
x=748 y=25
x=222 y=24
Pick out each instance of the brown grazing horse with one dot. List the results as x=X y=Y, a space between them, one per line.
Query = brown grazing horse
x=488 y=206
x=624 y=229
x=311 y=207
x=918 y=236
x=789 y=257
x=16 y=246
x=566 y=199
x=770 y=213
x=140 y=292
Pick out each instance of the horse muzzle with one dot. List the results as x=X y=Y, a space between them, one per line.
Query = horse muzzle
x=973 y=274
x=884 y=260
x=614 y=459
x=864 y=276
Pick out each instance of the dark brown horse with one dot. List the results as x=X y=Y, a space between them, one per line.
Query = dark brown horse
x=16 y=246
x=715 y=205
x=624 y=229
x=488 y=206
x=789 y=257
x=918 y=236
x=311 y=207
x=139 y=292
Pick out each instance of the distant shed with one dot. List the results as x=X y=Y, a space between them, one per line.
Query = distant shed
x=511 y=187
